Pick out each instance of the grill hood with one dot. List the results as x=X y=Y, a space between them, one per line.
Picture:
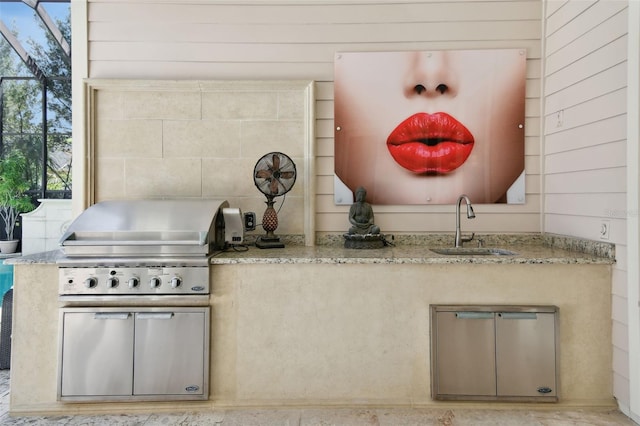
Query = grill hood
x=146 y=227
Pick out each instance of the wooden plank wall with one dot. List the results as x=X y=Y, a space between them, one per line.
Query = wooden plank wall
x=585 y=139
x=257 y=40
x=585 y=122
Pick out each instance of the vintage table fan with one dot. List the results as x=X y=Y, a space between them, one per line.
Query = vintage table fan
x=274 y=175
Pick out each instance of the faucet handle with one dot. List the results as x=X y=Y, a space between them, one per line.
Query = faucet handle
x=467 y=239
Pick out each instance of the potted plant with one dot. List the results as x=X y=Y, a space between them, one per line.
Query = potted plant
x=13 y=200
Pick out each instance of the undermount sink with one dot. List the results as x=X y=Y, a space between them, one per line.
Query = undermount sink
x=470 y=251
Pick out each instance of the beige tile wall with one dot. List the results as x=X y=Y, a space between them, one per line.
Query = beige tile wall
x=199 y=139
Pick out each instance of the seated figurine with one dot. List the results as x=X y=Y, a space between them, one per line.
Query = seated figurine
x=361 y=215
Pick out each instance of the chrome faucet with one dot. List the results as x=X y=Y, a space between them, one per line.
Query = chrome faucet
x=470 y=215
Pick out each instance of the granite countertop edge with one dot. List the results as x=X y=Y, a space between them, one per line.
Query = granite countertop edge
x=531 y=249
x=415 y=249
x=392 y=255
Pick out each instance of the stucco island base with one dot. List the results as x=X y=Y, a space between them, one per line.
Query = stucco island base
x=335 y=334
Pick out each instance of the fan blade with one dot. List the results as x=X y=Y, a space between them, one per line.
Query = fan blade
x=264 y=186
x=274 y=186
x=282 y=188
x=286 y=163
x=286 y=175
x=263 y=174
x=276 y=162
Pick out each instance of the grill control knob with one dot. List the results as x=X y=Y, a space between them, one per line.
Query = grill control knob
x=133 y=282
x=90 y=282
x=154 y=282
x=112 y=282
x=176 y=282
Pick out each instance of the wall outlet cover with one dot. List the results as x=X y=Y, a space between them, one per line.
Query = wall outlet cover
x=605 y=228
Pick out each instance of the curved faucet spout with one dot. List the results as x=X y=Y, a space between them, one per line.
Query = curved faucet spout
x=470 y=215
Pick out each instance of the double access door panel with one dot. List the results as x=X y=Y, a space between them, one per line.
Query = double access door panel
x=134 y=354
x=494 y=352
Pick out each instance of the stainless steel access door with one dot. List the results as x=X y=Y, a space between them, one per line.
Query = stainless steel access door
x=526 y=354
x=170 y=352
x=97 y=353
x=465 y=354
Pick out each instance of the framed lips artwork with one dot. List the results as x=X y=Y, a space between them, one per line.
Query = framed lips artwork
x=423 y=127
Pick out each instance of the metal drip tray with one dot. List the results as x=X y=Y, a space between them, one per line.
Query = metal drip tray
x=125 y=248
x=136 y=238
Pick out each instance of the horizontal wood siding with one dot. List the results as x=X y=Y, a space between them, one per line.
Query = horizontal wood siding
x=585 y=116
x=585 y=140
x=261 y=40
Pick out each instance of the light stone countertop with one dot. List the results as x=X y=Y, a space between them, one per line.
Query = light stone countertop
x=529 y=249
x=525 y=254
x=36 y=258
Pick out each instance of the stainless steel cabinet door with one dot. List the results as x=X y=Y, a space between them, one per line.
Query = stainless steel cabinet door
x=97 y=353
x=465 y=354
x=170 y=352
x=526 y=354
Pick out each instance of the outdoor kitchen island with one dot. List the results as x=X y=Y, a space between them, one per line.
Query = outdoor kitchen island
x=328 y=326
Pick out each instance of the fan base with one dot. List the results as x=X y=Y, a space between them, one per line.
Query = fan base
x=265 y=242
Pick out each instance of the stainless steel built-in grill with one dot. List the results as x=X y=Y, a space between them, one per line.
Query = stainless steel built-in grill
x=134 y=292
x=141 y=247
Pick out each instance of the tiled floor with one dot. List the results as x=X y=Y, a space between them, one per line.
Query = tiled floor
x=326 y=417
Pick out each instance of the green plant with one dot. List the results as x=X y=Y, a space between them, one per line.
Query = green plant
x=13 y=186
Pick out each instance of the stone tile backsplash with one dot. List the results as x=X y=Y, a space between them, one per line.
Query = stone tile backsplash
x=178 y=139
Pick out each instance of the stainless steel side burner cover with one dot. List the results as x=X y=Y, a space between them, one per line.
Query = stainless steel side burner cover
x=146 y=228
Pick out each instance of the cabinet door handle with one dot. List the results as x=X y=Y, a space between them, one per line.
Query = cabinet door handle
x=155 y=315
x=111 y=315
x=518 y=315
x=474 y=315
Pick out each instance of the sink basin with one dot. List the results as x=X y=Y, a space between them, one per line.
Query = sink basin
x=470 y=251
